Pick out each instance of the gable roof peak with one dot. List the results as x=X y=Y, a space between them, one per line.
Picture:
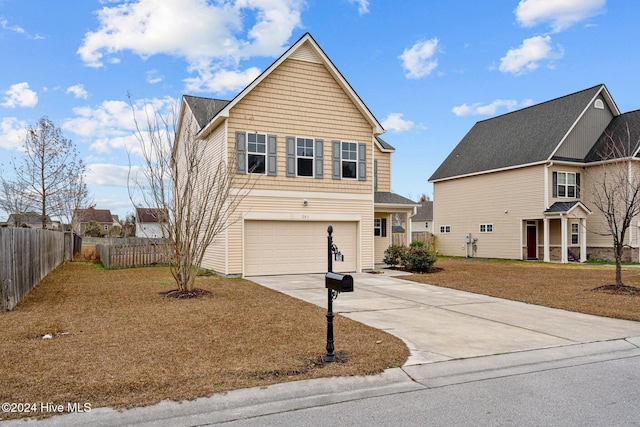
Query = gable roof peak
x=526 y=136
x=307 y=40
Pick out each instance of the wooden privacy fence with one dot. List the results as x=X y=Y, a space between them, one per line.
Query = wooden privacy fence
x=138 y=252
x=27 y=255
x=426 y=237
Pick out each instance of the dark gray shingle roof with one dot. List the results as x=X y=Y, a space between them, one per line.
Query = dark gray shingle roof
x=425 y=212
x=624 y=130
x=520 y=137
x=391 y=199
x=204 y=109
x=384 y=144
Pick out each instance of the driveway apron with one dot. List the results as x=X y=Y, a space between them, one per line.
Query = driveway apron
x=439 y=324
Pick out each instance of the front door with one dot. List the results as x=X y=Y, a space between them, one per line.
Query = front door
x=532 y=241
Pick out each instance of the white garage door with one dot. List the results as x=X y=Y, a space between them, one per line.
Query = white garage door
x=295 y=247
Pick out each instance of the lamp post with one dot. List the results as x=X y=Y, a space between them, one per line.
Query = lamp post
x=330 y=356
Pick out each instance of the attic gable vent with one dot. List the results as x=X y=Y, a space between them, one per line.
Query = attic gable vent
x=306 y=53
x=599 y=104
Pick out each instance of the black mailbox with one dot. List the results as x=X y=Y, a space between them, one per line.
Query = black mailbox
x=339 y=282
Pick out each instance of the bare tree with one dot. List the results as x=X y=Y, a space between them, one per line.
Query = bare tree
x=195 y=194
x=49 y=177
x=615 y=191
x=13 y=198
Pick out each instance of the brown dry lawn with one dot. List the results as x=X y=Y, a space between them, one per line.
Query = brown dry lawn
x=117 y=342
x=569 y=286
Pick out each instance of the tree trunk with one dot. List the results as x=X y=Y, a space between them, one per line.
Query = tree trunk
x=619 y=265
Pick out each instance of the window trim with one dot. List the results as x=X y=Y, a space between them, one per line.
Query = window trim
x=343 y=160
x=576 y=234
x=312 y=158
x=251 y=153
x=445 y=229
x=381 y=227
x=565 y=186
x=486 y=228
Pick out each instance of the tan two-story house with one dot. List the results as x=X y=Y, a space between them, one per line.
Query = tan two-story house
x=312 y=152
x=521 y=185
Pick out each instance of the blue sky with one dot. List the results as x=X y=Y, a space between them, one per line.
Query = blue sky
x=428 y=70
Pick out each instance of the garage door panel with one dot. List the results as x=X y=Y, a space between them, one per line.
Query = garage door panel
x=295 y=247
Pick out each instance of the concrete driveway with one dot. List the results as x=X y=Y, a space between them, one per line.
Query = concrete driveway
x=440 y=324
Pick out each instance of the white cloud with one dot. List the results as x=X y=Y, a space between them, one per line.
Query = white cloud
x=12 y=133
x=528 y=56
x=478 y=109
x=105 y=174
x=419 y=60
x=395 y=122
x=210 y=36
x=111 y=126
x=154 y=76
x=560 y=14
x=363 y=6
x=19 y=95
x=4 y=24
x=221 y=80
x=78 y=91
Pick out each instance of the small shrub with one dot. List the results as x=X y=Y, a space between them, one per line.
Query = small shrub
x=418 y=244
x=419 y=259
x=394 y=255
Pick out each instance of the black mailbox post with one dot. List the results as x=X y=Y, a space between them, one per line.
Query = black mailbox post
x=338 y=282
x=335 y=283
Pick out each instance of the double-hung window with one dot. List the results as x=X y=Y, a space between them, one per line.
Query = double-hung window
x=575 y=233
x=566 y=184
x=304 y=156
x=256 y=152
x=349 y=160
x=445 y=229
x=380 y=227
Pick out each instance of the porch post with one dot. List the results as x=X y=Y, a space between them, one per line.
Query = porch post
x=547 y=258
x=563 y=231
x=583 y=239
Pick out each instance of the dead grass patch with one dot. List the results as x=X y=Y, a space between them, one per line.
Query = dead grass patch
x=573 y=287
x=116 y=341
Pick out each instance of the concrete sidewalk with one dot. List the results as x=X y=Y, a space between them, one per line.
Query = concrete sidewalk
x=455 y=338
x=440 y=324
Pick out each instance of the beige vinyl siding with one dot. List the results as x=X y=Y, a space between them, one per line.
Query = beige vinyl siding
x=215 y=256
x=382 y=243
x=301 y=98
x=588 y=129
x=384 y=170
x=288 y=206
x=503 y=199
x=597 y=228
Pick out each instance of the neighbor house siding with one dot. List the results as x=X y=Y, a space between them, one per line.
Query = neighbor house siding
x=301 y=99
x=588 y=129
x=288 y=206
x=504 y=199
x=598 y=234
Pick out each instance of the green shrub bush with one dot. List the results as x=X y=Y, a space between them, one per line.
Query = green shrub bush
x=419 y=259
x=394 y=255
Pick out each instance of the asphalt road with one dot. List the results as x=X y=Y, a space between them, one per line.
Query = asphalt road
x=605 y=393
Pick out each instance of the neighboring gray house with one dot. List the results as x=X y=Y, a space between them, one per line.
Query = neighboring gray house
x=520 y=185
x=423 y=219
x=32 y=220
